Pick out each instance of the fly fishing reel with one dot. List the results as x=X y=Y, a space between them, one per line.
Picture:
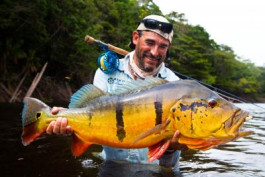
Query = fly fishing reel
x=108 y=62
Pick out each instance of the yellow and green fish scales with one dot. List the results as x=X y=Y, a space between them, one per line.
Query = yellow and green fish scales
x=142 y=114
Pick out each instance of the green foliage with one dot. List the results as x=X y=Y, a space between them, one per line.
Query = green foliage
x=193 y=51
x=235 y=76
x=261 y=80
x=34 y=32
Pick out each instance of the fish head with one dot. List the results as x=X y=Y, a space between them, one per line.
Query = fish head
x=33 y=119
x=205 y=116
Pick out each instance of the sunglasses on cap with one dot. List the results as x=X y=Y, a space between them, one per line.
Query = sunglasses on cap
x=154 y=24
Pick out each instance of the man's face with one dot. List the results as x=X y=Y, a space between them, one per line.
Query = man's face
x=150 y=50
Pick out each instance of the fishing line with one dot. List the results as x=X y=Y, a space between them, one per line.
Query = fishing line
x=108 y=64
x=221 y=92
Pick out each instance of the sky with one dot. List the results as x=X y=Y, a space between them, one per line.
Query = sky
x=239 y=24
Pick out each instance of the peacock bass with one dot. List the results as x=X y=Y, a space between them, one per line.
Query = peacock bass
x=142 y=113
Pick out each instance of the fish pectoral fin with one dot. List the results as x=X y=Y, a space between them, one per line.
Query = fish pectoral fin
x=157 y=150
x=155 y=130
x=79 y=146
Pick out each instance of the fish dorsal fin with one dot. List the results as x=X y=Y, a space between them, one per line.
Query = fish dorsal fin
x=138 y=85
x=85 y=94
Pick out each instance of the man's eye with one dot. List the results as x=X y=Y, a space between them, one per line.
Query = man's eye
x=163 y=46
x=149 y=43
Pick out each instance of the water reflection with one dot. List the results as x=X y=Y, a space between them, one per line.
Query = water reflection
x=51 y=155
x=114 y=169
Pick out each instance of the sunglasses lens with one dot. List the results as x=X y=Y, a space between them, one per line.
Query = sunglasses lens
x=153 y=24
x=166 y=27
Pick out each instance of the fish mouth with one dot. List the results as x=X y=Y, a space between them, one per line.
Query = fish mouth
x=234 y=124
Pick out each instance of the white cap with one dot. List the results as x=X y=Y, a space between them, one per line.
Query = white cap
x=168 y=36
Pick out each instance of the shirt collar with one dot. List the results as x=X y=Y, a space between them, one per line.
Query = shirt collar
x=124 y=66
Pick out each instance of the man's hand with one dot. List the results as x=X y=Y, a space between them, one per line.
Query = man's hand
x=174 y=145
x=59 y=126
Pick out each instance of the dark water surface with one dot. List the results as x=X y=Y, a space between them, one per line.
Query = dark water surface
x=51 y=155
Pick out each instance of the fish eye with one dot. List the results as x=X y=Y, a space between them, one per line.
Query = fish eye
x=38 y=115
x=212 y=103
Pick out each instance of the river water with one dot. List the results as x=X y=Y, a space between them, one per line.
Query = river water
x=51 y=155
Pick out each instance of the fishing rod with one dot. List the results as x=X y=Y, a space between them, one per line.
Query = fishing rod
x=105 y=46
x=108 y=62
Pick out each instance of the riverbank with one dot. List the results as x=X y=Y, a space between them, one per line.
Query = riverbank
x=49 y=90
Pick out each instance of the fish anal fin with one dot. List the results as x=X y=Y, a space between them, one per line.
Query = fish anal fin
x=30 y=133
x=79 y=146
x=157 y=150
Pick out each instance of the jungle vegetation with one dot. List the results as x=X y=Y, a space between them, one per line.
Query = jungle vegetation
x=34 y=32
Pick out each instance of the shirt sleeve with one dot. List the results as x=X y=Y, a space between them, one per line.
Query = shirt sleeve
x=171 y=76
x=100 y=80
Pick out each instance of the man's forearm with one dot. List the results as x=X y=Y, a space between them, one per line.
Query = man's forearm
x=169 y=159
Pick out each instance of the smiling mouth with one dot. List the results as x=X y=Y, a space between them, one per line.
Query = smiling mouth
x=152 y=59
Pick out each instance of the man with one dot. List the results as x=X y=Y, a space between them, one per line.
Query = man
x=151 y=41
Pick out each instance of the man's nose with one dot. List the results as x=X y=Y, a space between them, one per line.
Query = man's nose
x=154 y=51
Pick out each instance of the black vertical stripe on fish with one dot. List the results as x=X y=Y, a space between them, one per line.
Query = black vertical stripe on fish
x=90 y=115
x=121 y=134
x=158 y=111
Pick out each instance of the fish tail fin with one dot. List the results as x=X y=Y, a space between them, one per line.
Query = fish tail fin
x=33 y=122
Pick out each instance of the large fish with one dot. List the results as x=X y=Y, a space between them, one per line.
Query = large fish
x=141 y=114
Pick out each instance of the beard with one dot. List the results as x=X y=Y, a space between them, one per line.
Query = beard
x=142 y=65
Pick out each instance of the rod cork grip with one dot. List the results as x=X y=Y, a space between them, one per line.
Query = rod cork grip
x=89 y=39
x=117 y=50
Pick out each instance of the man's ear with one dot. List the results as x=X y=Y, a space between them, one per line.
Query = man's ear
x=135 y=37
